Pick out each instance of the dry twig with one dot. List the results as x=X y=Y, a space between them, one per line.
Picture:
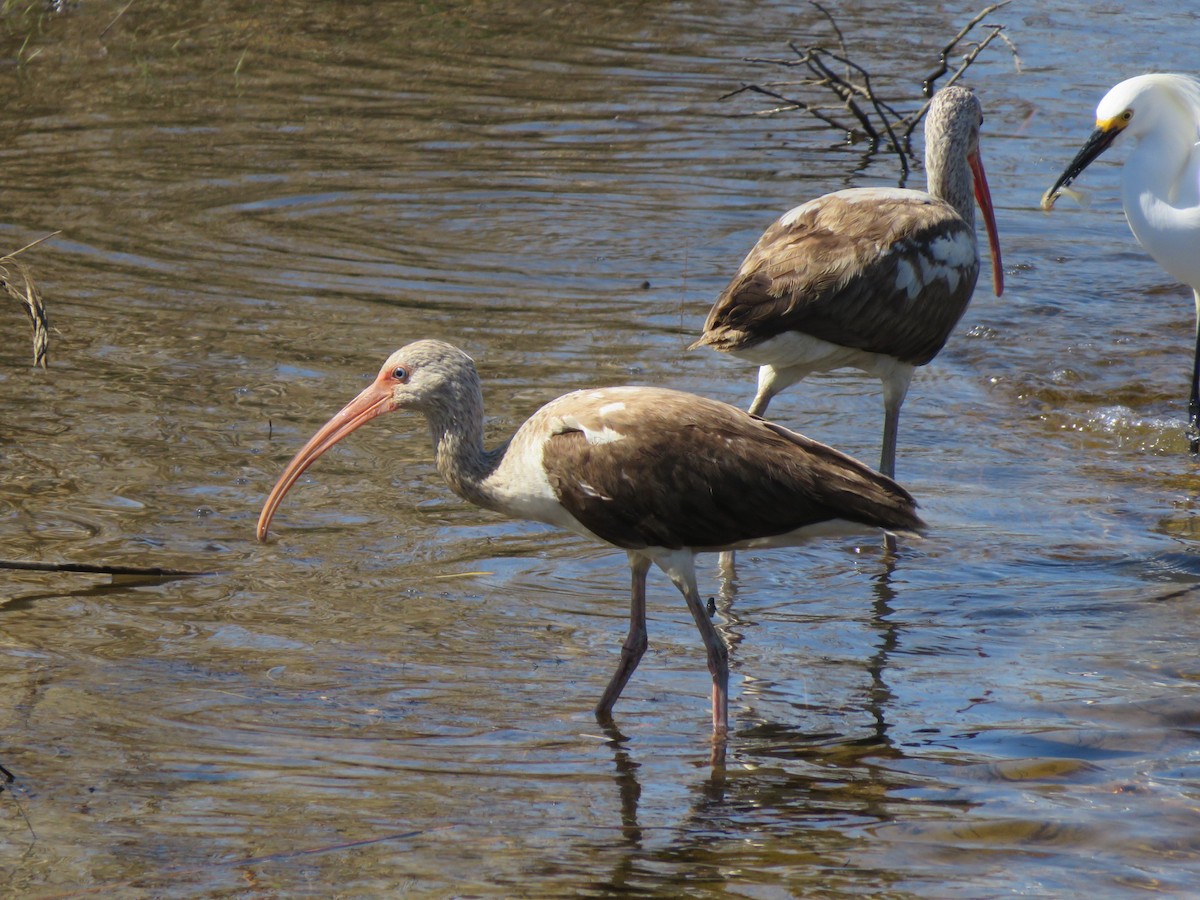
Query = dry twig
x=878 y=121
x=28 y=295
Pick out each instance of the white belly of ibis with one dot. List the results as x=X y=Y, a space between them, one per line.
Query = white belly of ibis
x=804 y=353
x=829 y=528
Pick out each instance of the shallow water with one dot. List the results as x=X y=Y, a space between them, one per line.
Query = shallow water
x=393 y=696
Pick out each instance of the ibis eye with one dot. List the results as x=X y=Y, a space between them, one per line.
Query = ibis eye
x=400 y=373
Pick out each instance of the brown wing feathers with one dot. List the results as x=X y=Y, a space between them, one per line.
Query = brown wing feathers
x=708 y=475
x=834 y=272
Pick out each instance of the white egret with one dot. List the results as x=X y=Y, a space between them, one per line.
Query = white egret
x=1160 y=182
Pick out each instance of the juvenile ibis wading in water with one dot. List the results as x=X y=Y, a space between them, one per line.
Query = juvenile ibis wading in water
x=661 y=474
x=871 y=278
x=1160 y=183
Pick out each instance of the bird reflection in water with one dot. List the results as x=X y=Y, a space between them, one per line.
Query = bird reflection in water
x=771 y=767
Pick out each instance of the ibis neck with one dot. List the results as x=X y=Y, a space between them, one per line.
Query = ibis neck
x=949 y=178
x=457 y=430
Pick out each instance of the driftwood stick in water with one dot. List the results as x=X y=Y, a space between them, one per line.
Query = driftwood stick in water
x=90 y=569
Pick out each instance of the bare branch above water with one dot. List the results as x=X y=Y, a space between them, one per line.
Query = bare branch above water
x=860 y=112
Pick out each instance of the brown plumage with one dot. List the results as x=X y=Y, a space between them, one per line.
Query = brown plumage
x=659 y=473
x=872 y=278
x=821 y=272
x=725 y=479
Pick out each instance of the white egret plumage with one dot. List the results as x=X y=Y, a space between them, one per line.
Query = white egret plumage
x=1160 y=181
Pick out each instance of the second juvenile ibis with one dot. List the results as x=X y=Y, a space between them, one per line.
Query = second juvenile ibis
x=868 y=278
x=1160 y=182
x=661 y=474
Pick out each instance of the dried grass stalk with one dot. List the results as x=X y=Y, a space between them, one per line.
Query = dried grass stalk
x=17 y=281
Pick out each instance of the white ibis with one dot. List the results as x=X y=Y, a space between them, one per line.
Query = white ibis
x=870 y=278
x=661 y=474
x=1160 y=183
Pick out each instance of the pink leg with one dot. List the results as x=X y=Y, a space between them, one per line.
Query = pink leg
x=636 y=641
x=718 y=656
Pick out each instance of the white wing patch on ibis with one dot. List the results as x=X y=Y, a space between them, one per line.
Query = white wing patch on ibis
x=947 y=256
x=954 y=249
x=907 y=279
x=593 y=427
x=590 y=491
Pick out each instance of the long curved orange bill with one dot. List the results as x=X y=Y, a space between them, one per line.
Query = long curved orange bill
x=983 y=197
x=374 y=401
